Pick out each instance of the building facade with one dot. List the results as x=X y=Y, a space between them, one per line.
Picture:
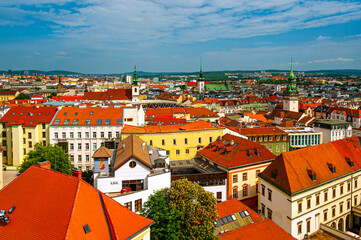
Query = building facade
x=333 y=130
x=301 y=137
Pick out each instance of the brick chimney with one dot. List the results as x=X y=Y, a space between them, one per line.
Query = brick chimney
x=76 y=173
x=46 y=165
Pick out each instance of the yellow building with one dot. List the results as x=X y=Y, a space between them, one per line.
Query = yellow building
x=180 y=141
x=21 y=128
x=8 y=95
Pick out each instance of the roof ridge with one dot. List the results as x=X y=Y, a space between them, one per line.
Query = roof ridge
x=73 y=207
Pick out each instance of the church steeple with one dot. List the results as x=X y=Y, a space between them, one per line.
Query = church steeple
x=291 y=89
x=201 y=78
x=135 y=78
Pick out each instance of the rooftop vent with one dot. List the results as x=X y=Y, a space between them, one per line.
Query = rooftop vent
x=311 y=174
x=331 y=167
x=86 y=229
x=350 y=161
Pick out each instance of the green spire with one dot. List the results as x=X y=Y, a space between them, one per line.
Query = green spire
x=201 y=78
x=135 y=78
x=291 y=89
x=291 y=76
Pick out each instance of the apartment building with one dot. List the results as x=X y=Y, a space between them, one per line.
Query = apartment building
x=333 y=130
x=306 y=188
x=301 y=137
x=80 y=131
x=180 y=141
x=21 y=128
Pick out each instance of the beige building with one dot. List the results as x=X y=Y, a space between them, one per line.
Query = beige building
x=304 y=189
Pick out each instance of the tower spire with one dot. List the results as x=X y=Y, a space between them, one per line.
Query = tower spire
x=200 y=71
x=135 y=78
x=291 y=76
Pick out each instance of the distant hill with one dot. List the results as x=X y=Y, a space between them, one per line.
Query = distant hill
x=54 y=72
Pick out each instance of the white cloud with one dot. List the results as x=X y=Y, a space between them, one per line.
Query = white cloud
x=61 y=53
x=328 y=60
x=321 y=38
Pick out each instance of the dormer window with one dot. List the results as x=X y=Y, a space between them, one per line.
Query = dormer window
x=274 y=173
x=331 y=167
x=350 y=161
x=311 y=174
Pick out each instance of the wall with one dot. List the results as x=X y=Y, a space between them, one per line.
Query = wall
x=215 y=189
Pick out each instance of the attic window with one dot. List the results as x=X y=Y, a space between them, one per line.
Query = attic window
x=311 y=174
x=76 y=113
x=87 y=122
x=66 y=122
x=57 y=121
x=86 y=229
x=349 y=161
x=274 y=174
x=65 y=113
x=91 y=113
x=331 y=167
x=75 y=121
x=107 y=122
x=119 y=121
x=99 y=122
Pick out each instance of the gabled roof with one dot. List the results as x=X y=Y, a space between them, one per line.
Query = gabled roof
x=291 y=170
x=261 y=131
x=229 y=207
x=132 y=146
x=110 y=94
x=169 y=112
x=233 y=152
x=102 y=152
x=28 y=116
x=53 y=205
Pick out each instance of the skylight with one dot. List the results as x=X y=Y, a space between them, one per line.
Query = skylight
x=57 y=121
x=75 y=121
x=99 y=122
x=66 y=122
x=87 y=122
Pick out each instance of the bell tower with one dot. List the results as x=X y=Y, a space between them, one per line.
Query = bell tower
x=200 y=81
x=135 y=86
x=291 y=93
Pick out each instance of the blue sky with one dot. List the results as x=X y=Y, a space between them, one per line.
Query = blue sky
x=97 y=36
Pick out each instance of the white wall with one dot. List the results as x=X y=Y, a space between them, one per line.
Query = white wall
x=215 y=189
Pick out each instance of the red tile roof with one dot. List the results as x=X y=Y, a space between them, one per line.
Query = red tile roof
x=8 y=92
x=292 y=169
x=67 y=115
x=28 y=116
x=67 y=98
x=110 y=94
x=232 y=152
x=232 y=206
x=167 y=121
x=169 y=112
x=261 y=230
x=261 y=131
x=52 y=205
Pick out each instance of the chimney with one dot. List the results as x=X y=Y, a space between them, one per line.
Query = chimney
x=76 y=173
x=45 y=165
x=282 y=114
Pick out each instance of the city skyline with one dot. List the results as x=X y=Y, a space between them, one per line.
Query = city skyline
x=169 y=36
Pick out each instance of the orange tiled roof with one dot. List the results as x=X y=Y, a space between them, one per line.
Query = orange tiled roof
x=28 y=115
x=291 y=168
x=110 y=94
x=232 y=152
x=232 y=206
x=260 y=131
x=169 y=112
x=258 y=117
x=53 y=205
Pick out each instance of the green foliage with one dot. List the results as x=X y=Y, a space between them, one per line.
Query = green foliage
x=22 y=96
x=52 y=95
x=184 y=211
x=87 y=176
x=59 y=159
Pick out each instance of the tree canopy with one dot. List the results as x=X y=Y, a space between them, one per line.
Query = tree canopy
x=22 y=96
x=59 y=159
x=183 y=211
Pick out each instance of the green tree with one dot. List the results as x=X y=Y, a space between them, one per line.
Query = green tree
x=184 y=211
x=87 y=176
x=59 y=159
x=22 y=96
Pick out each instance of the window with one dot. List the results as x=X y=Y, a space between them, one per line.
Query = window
x=355 y=201
x=128 y=205
x=79 y=134
x=79 y=158
x=258 y=172
x=333 y=211
x=333 y=192
x=325 y=196
x=325 y=215
x=151 y=142
x=348 y=186
x=348 y=204
x=341 y=207
x=299 y=207
x=66 y=122
x=86 y=146
x=262 y=209
x=24 y=151
x=87 y=122
x=245 y=190
x=119 y=121
x=263 y=190
x=199 y=140
x=63 y=135
x=99 y=122
x=278 y=138
x=269 y=213
x=235 y=193
x=108 y=122
x=260 y=139
x=44 y=126
x=174 y=142
x=186 y=141
x=30 y=144
x=24 y=140
x=284 y=138
x=110 y=135
x=269 y=195
x=75 y=121
x=177 y=152
x=317 y=199
x=94 y=134
x=29 y=135
x=71 y=135
x=244 y=176
x=44 y=134
x=94 y=146
x=138 y=205
x=265 y=139
x=235 y=178
x=72 y=158
x=163 y=142
x=167 y=152
x=219 y=196
x=102 y=134
x=187 y=151
x=341 y=189
x=256 y=187
x=132 y=164
x=270 y=147
x=87 y=158
x=284 y=146
x=270 y=138
x=57 y=121
x=79 y=146
x=277 y=146
x=308 y=225
x=86 y=134
x=117 y=135
x=71 y=146
x=308 y=203
x=355 y=183
x=299 y=228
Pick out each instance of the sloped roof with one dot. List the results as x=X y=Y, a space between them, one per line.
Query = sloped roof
x=261 y=131
x=231 y=152
x=229 y=207
x=102 y=152
x=291 y=167
x=169 y=112
x=53 y=205
x=28 y=116
x=258 y=117
x=132 y=146
x=110 y=94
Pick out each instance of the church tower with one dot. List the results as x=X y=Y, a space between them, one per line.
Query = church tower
x=200 y=81
x=291 y=93
x=135 y=86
